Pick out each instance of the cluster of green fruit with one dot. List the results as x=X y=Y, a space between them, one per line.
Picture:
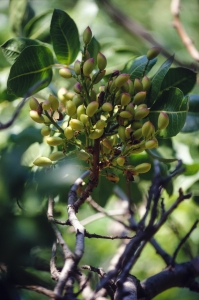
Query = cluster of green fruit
x=115 y=113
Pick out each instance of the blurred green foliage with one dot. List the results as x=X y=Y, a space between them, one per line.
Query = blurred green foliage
x=25 y=234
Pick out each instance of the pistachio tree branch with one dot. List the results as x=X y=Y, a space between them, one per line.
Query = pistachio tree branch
x=135 y=28
x=177 y=24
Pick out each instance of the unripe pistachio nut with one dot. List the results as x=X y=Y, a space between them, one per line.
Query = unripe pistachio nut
x=33 y=103
x=128 y=132
x=148 y=130
x=53 y=102
x=87 y=35
x=121 y=80
x=77 y=88
x=69 y=133
x=112 y=177
x=96 y=134
x=47 y=121
x=97 y=77
x=143 y=168
x=138 y=87
x=141 y=113
x=88 y=66
x=46 y=105
x=146 y=82
x=126 y=114
x=107 y=106
x=77 y=100
x=125 y=99
x=84 y=119
x=121 y=132
x=131 y=87
x=136 y=125
x=107 y=143
x=61 y=94
x=82 y=155
x=71 y=108
x=65 y=73
x=101 y=61
x=137 y=134
x=139 y=98
x=56 y=155
x=150 y=144
x=130 y=108
x=36 y=117
x=76 y=125
x=120 y=161
x=101 y=124
x=42 y=162
x=153 y=52
x=80 y=110
x=92 y=108
x=163 y=120
x=54 y=140
x=45 y=131
x=77 y=67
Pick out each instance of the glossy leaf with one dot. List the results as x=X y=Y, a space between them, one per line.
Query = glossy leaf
x=20 y=13
x=157 y=79
x=182 y=78
x=192 y=120
x=94 y=48
x=13 y=47
x=65 y=37
x=39 y=27
x=175 y=105
x=33 y=64
x=139 y=67
x=153 y=153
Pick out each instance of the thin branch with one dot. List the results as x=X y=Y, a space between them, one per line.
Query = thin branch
x=97 y=236
x=31 y=91
x=186 y=40
x=135 y=28
x=38 y=289
x=53 y=269
x=183 y=241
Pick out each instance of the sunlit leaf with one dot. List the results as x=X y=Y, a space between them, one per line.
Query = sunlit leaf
x=182 y=78
x=65 y=37
x=176 y=106
x=192 y=120
x=157 y=80
x=139 y=67
x=33 y=64
x=13 y=47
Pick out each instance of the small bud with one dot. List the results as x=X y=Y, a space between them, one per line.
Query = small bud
x=77 y=68
x=54 y=140
x=163 y=120
x=33 y=103
x=45 y=131
x=139 y=98
x=96 y=134
x=148 y=130
x=36 y=117
x=107 y=106
x=88 y=66
x=56 y=155
x=97 y=77
x=92 y=108
x=101 y=61
x=126 y=114
x=125 y=99
x=77 y=100
x=87 y=35
x=120 y=161
x=143 y=168
x=150 y=144
x=42 y=162
x=76 y=124
x=65 y=73
x=77 y=88
x=121 y=80
x=153 y=52
x=53 y=102
x=141 y=113
x=69 y=133
x=138 y=87
x=71 y=108
x=146 y=82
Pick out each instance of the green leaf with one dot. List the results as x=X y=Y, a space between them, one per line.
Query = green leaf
x=13 y=47
x=153 y=153
x=191 y=169
x=157 y=79
x=192 y=120
x=20 y=12
x=65 y=37
x=139 y=67
x=33 y=64
x=39 y=27
x=175 y=105
x=182 y=78
x=94 y=48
